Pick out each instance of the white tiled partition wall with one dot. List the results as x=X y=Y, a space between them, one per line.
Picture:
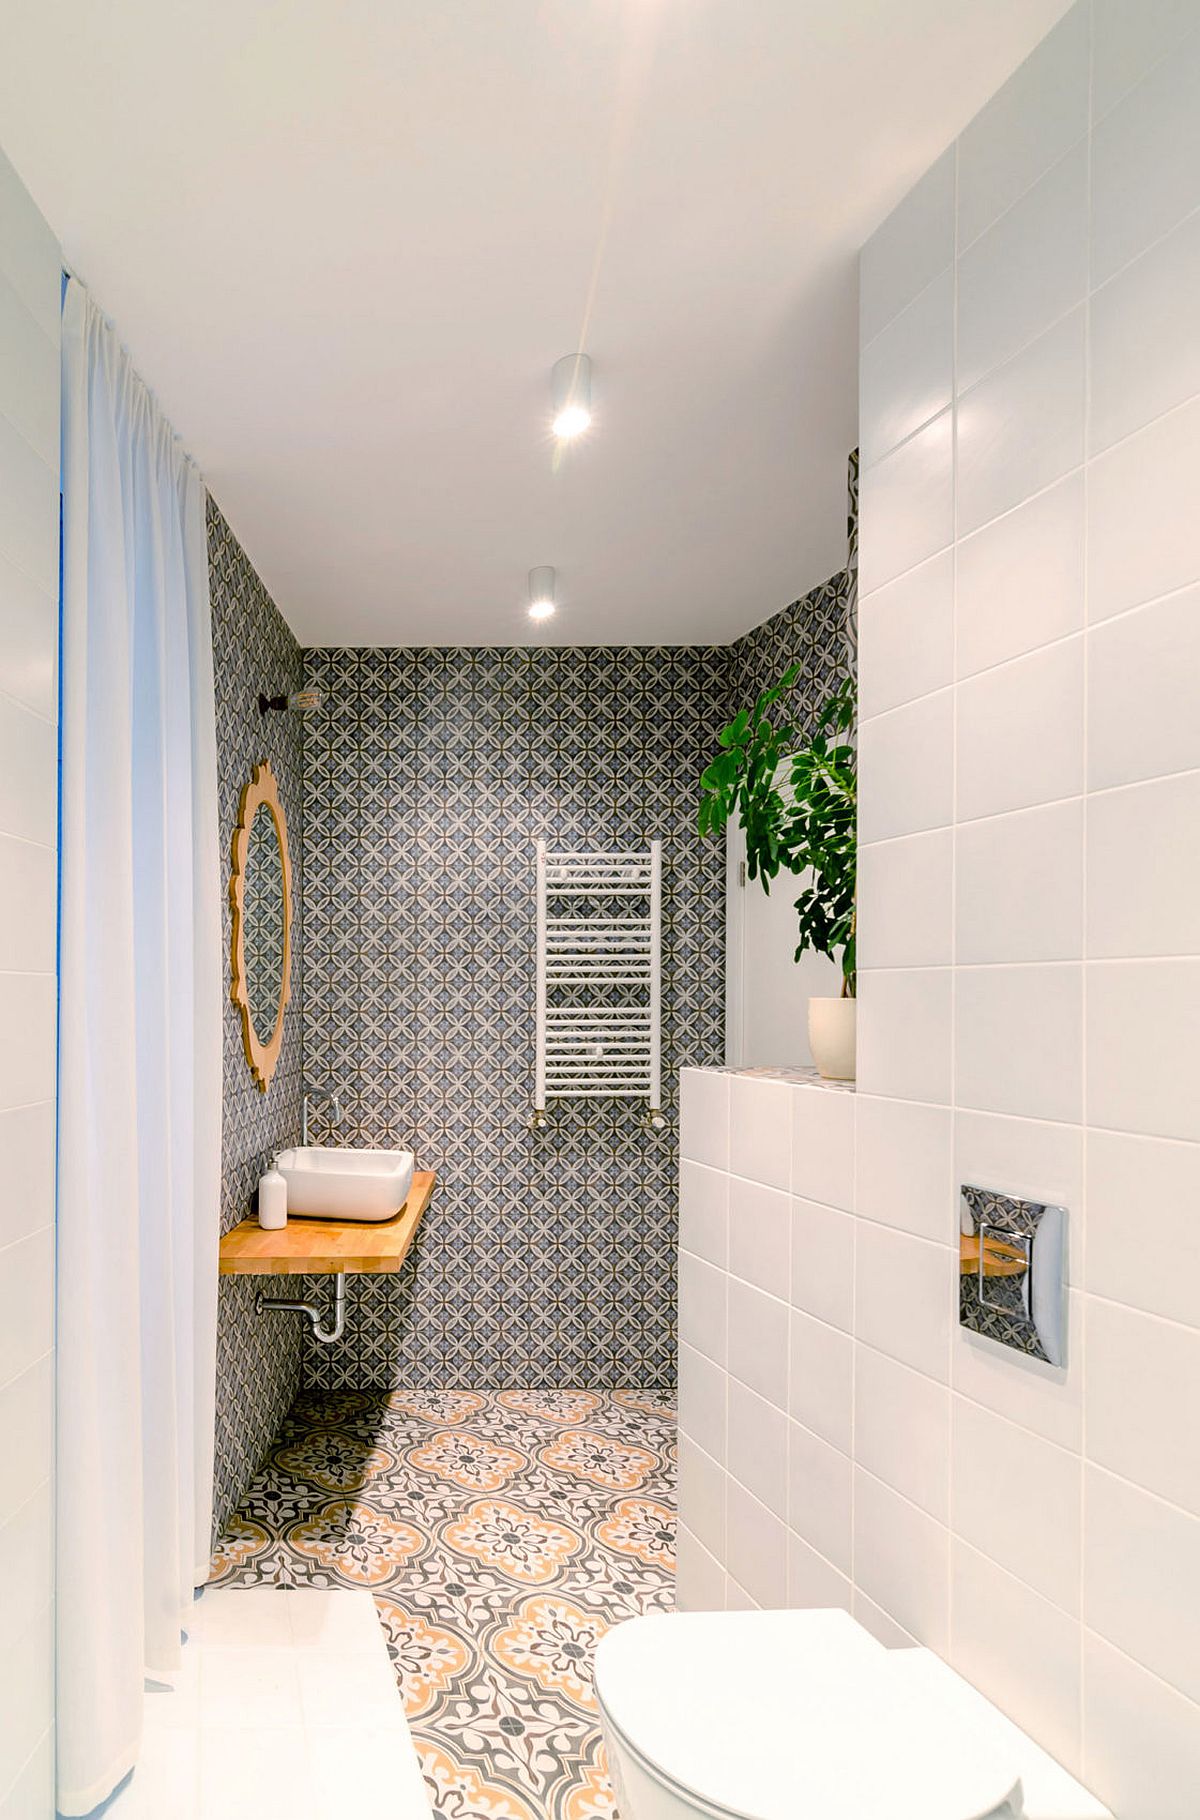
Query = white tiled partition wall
x=1030 y=958
x=30 y=274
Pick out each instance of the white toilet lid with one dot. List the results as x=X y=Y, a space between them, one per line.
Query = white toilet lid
x=772 y=1715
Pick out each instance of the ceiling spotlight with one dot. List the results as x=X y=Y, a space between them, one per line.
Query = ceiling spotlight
x=541 y=592
x=571 y=384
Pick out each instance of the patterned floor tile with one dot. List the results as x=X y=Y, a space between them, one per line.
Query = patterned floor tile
x=501 y=1534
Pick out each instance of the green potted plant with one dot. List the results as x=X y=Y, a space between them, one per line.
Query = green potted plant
x=796 y=799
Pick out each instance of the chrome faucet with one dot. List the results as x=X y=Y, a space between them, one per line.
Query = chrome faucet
x=322 y=1096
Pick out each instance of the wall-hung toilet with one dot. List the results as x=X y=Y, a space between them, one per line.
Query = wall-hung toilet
x=802 y=1715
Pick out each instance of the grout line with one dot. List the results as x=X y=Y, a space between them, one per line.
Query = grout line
x=1126 y=265
x=1146 y=1314
x=1146 y=1491
x=1089 y=1630
x=954 y=820
x=1080 y=1338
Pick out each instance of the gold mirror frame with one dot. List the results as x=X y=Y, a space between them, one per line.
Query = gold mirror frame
x=262 y=791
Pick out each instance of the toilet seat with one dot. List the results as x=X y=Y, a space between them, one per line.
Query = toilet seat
x=782 y=1715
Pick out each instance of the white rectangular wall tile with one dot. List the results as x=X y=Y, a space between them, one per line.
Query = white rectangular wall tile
x=819 y=1479
x=902 y=1430
x=1146 y=161
x=699 y=1576
x=760 y=1147
x=27 y=1070
x=1135 y=1085
x=759 y=1234
x=1127 y=42
x=906 y=769
x=703 y=1394
x=29 y=649
x=26 y=1421
x=1020 y=580
x=1019 y=1039
x=1022 y=427
x=904 y=901
x=823 y=1145
x=908 y=500
x=29 y=362
x=1020 y=732
x=758 y=1341
x=1018 y=1499
x=914 y=244
x=907 y=372
x=1141 y=697
x=1026 y=271
x=1144 y=355
x=30 y=279
x=812 y=1581
x=1140 y=1370
x=823 y=1263
x=704 y=1209
x=1143 y=531
x=757 y=1453
x=704 y=1118
x=1151 y=907
x=29 y=510
x=904 y=1167
x=703 y=1292
x=904 y=1291
x=906 y=643
x=26 y=1184
x=1020 y=1650
x=28 y=904
x=1039 y=114
x=28 y=771
x=821 y=1388
x=1141 y=1740
x=757 y=1548
x=1019 y=886
x=1143 y=1234
x=904 y=1033
x=901 y=1560
x=701 y=1494
x=1141 y=1585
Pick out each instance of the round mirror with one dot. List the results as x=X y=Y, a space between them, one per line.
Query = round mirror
x=261 y=894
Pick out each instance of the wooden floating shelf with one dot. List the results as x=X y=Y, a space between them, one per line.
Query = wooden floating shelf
x=307 y=1247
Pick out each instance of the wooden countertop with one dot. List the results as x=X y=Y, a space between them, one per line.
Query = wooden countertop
x=324 y=1247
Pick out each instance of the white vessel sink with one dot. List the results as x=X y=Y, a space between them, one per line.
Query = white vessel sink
x=330 y=1184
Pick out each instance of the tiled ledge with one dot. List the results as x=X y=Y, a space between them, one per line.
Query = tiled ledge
x=794 y=1077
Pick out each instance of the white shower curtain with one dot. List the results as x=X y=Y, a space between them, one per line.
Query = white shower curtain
x=139 y=1057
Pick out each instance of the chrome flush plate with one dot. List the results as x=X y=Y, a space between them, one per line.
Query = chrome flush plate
x=1013 y=1276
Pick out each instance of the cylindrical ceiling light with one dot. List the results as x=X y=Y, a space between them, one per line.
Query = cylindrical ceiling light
x=571 y=386
x=541 y=592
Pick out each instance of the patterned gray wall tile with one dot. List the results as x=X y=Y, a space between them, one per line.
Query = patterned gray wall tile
x=547 y=1259
x=258 y=1361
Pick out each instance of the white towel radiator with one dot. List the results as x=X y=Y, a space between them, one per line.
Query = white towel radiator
x=599 y=979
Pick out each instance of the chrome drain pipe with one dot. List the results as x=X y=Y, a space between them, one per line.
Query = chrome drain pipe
x=270 y=1304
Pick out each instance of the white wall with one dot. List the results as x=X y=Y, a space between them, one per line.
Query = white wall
x=766 y=1004
x=1029 y=943
x=30 y=272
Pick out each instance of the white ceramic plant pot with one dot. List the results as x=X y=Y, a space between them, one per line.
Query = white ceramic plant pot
x=831 y=1036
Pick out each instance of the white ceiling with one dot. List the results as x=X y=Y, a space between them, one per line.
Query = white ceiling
x=346 y=240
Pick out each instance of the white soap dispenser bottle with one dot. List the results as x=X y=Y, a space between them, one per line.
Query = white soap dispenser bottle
x=272 y=1199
